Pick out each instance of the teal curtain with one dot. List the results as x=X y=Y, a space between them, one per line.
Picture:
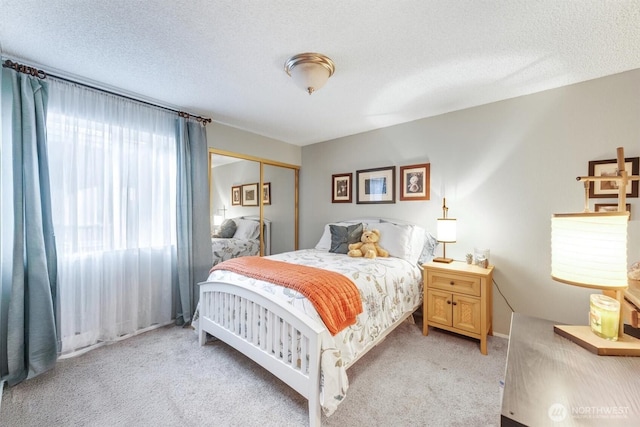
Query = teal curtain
x=31 y=341
x=194 y=255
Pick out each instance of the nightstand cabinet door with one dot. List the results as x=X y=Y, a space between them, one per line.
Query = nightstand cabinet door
x=439 y=308
x=466 y=313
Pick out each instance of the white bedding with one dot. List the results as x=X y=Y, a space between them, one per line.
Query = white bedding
x=389 y=288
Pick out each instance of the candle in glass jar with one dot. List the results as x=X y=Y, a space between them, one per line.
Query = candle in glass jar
x=604 y=316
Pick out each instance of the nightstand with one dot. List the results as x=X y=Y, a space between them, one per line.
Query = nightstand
x=458 y=298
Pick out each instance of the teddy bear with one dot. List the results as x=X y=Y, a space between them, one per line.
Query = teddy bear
x=367 y=246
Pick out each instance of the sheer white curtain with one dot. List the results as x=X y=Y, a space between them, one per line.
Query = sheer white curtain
x=113 y=178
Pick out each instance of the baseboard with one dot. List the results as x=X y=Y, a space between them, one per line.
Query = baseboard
x=498 y=334
x=84 y=350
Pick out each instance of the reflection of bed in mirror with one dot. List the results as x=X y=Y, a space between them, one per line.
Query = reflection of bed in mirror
x=243 y=240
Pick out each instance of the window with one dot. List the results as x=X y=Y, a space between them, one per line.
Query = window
x=113 y=189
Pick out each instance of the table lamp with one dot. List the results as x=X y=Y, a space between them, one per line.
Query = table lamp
x=589 y=249
x=446 y=232
x=217 y=222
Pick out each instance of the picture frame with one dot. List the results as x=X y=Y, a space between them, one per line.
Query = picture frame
x=415 y=182
x=610 y=207
x=236 y=195
x=250 y=194
x=266 y=193
x=609 y=189
x=376 y=185
x=341 y=186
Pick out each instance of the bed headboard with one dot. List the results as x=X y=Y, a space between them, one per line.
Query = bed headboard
x=374 y=220
x=266 y=231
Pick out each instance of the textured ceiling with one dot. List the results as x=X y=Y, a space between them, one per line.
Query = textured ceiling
x=396 y=60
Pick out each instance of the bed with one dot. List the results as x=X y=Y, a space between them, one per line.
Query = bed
x=243 y=239
x=281 y=330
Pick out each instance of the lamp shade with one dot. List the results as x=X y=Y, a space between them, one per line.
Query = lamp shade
x=309 y=71
x=446 y=230
x=218 y=219
x=590 y=249
x=310 y=77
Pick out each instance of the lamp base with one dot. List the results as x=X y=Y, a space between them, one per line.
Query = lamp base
x=584 y=337
x=447 y=260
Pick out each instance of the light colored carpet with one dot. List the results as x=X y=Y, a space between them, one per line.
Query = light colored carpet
x=163 y=378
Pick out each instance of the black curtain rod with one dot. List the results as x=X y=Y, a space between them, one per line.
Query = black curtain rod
x=25 y=69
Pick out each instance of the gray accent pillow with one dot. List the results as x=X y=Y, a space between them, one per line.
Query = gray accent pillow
x=227 y=229
x=342 y=237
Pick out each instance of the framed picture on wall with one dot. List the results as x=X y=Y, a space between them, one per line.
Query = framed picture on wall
x=376 y=185
x=250 y=195
x=266 y=193
x=236 y=195
x=414 y=182
x=609 y=189
x=610 y=207
x=341 y=188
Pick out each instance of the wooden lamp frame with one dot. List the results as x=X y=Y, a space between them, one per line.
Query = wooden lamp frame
x=445 y=217
x=626 y=345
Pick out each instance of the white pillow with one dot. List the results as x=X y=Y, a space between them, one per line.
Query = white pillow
x=247 y=229
x=429 y=248
x=397 y=240
x=324 y=244
x=417 y=243
x=423 y=244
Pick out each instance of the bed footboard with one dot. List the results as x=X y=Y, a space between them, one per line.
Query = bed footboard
x=269 y=333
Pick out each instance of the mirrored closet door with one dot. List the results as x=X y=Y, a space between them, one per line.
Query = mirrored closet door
x=280 y=207
x=260 y=196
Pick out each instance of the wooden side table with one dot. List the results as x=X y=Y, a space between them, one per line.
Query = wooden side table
x=458 y=298
x=551 y=381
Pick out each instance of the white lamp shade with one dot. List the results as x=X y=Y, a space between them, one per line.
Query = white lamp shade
x=310 y=71
x=446 y=230
x=590 y=249
x=310 y=76
x=217 y=220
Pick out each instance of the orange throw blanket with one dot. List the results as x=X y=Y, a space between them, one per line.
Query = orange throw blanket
x=335 y=297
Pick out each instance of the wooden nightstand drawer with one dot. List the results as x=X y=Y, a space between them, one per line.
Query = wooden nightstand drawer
x=462 y=284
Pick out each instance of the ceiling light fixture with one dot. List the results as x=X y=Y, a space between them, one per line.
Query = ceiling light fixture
x=310 y=71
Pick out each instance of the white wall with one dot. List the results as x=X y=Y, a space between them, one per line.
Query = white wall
x=504 y=168
x=239 y=141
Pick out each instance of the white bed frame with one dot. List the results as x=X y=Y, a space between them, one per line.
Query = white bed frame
x=222 y=302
